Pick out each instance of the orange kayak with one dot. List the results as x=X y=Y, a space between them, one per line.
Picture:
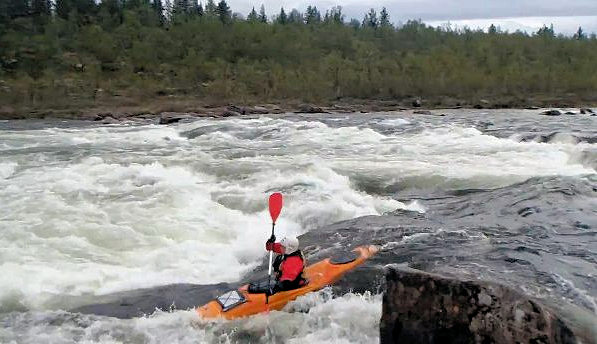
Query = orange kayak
x=240 y=303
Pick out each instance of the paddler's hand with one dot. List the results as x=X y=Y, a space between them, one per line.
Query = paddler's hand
x=269 y=244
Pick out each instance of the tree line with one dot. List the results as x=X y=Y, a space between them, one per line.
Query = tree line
x=79 y=53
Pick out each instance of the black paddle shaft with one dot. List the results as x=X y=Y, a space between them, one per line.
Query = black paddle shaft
x=269 y=277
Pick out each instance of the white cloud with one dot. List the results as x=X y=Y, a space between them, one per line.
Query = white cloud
x=565 y=25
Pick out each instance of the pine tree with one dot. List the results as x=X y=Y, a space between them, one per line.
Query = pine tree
x=85 y=8
x=262 y=15
x=17 y=8
x=180 y=9
x=336 y=15
x=41 y=8
x=384 y=18
x=580 y=34
x=546 y=31
x=282 y=18
x=312 y=16
x=223 y=12
x=295 y=17
x=168 y=11
x=211 y=8
x=252 y=17
x=63 y=8
x=198 y=9
x=158 y=10
x=370 y=19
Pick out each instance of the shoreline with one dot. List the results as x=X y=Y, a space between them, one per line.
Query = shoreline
x=174 y=110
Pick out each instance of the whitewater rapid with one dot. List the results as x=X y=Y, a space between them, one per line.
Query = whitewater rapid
x=89 y=210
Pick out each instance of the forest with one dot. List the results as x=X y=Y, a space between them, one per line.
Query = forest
x=76 y=54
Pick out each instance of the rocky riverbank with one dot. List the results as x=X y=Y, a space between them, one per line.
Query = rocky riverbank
x=170 y=111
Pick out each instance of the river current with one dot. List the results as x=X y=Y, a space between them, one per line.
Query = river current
x=96 y=214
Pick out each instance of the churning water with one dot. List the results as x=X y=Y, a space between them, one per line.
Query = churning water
x=90 y=210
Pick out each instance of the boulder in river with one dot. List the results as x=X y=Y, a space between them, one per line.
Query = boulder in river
x=586 y=111
x=420 y=307
x=551 y=113
x=172 y=117
x=308 y=108
x=110 y=120
x=230 y=113
x=417 y=103
x=248 y=110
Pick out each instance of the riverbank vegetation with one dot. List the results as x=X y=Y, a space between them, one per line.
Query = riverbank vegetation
x=75 y=54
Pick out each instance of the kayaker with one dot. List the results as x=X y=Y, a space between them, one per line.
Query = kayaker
x=289 y=263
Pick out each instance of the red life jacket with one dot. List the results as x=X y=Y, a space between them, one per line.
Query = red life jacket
x=291 y=266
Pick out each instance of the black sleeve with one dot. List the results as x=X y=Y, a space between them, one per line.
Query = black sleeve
x=277 y=262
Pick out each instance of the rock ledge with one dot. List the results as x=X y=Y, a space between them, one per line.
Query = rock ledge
x=419 y=307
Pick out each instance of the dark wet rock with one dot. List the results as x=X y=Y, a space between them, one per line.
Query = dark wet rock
x=586 y=111
x=272 y=108
x=230 y=113
x=417 y=103
x=135 y=303
x=532 y=108
x=259 y=110
x=343 y=108
x=551 y=113
x=172 y=117
x=308 y=108
x=571 y=113
x=110 y=120
x=238 y=109
x=248 y=110
x=423 y=112
x=420 y=307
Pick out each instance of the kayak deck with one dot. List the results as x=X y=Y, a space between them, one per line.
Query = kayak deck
x=318 y=275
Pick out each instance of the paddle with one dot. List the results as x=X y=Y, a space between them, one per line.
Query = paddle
x=275 y=207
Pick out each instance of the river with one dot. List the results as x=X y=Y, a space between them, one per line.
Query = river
x=93 y=210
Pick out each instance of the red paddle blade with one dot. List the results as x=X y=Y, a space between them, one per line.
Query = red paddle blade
x=275 y=205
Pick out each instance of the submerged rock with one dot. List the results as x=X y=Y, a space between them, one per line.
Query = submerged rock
x=586 y=111
x=419 y=307
x=551 y=113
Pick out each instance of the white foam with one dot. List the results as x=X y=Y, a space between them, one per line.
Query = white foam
x=394 y=122
x=7 y=169
x=352 y=318
x=574 y=290
x=104 y=209
x=318 y=318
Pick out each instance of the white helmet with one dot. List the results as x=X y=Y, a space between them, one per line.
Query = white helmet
x=291 y=244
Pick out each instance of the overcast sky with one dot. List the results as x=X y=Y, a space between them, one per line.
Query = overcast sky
x=509 y=14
